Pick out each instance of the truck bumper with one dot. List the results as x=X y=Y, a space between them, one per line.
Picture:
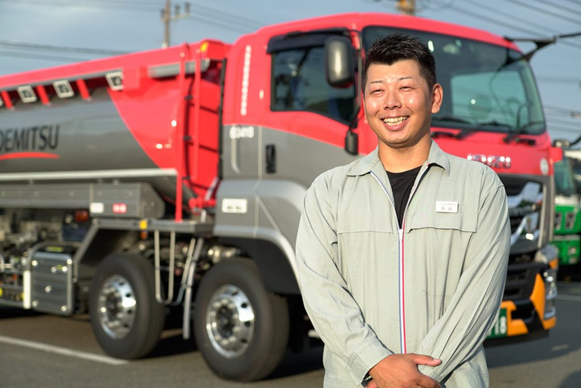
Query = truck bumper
x=536 y=313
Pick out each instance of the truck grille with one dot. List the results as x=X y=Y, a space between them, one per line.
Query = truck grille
x=515 y=221
x=525 y=204
x=520 y=280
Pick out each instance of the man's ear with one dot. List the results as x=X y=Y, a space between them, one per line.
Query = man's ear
x=437 y=96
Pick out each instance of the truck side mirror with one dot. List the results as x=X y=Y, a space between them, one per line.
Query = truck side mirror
x=352 y=143
x=565 y=143
x=562 y=143
x=339 y=62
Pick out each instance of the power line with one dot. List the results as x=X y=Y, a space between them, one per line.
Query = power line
x=565 y=116
x=94 y=5
x=215 y=22
x=557 y=79
x=216 y=13
x=40 y=56
x=428 y=4
x=574 y=2
x=544 y=12
x=212 y=17
x=507 y=25
x=23 y=45
x=222 y=13
x=561 y=121
x=564 y=129
x=561 y=6
x=495 y=21
x=560 y=110
x=512 y=17
x=115 y=3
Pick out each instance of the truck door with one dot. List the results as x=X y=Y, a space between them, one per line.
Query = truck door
x=305 y=128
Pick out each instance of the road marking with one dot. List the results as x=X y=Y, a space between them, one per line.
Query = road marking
x=62 y=351
x=572 y=298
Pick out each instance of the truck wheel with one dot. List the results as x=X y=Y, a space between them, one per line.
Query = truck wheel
x=126 y=318
x=241 y=329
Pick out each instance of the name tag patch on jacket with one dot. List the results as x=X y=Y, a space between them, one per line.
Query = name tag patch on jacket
x=446 y=207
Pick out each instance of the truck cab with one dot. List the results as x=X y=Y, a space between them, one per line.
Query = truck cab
x=304 y=120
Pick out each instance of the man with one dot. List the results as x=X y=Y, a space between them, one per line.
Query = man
x=402 y=254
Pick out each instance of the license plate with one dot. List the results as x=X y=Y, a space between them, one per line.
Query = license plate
x=499 y=329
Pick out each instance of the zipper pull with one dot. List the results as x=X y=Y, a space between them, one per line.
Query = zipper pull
x=400 y=234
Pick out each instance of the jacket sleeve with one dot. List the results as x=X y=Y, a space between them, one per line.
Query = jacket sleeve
x=463 y=327
x=334 y=313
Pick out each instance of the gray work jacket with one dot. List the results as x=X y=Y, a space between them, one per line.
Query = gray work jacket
x=430 y=286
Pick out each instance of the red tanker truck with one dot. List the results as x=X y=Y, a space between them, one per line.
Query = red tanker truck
x=173 y=180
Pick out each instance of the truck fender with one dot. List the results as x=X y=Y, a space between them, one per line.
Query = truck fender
x=97 y=245
x=275 y=268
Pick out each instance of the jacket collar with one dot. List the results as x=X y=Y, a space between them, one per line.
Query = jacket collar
x=371 y=161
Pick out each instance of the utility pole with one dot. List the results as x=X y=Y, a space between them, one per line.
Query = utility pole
x=407 y=6
x=167 y=18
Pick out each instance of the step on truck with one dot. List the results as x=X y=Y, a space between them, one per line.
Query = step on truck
x=173 y=180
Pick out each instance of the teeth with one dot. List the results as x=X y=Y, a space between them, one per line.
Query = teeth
x=394 y=120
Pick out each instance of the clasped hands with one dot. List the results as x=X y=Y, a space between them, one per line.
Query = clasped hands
x=401 y=371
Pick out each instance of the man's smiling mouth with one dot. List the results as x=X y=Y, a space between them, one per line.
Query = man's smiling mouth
x=395 y=120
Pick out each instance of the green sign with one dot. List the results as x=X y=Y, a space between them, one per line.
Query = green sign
x=500 y=328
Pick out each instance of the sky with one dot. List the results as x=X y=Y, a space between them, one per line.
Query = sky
x=36 y=34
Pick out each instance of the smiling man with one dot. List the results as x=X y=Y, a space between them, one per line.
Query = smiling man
x=402 y=254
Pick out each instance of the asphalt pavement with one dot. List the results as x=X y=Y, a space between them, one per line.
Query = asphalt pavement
x=39 y=350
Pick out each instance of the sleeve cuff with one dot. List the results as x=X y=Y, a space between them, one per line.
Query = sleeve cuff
x=362 y=361
x=431 y=371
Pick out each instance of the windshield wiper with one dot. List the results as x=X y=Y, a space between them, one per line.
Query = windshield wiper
x=521 y=130
x=478 y=127
x=474 y=128
x=452 y=119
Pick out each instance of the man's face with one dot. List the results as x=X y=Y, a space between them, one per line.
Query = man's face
x=399 y=103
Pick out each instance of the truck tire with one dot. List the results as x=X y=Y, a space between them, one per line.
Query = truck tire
x=240 y=328
x=126 y=319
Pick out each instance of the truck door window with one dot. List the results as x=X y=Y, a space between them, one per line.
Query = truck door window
x=299 y=84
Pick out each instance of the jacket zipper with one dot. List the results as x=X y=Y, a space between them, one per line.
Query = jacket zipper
x=401 y=262
x=402 y=288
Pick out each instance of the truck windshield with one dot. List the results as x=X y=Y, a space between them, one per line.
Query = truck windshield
x=564 y=182
x=486 y=87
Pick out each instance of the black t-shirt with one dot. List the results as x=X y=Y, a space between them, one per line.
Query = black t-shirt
x=401 y=185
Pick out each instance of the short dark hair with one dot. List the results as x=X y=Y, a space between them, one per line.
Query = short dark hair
x=397 y=47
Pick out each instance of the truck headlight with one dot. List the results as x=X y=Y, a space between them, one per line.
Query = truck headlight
x=550 y=278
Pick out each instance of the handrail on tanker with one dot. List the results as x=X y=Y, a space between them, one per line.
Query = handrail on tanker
x=179 y=130
x=181 y=124
x=197 y=92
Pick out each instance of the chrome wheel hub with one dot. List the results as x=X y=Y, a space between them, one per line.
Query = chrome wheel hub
x=116 y=306
x=230 y=321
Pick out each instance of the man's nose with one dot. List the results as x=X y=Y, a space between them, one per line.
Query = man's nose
x=392 y=100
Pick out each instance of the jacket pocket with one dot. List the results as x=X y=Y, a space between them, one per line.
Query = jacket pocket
x=461 y=221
